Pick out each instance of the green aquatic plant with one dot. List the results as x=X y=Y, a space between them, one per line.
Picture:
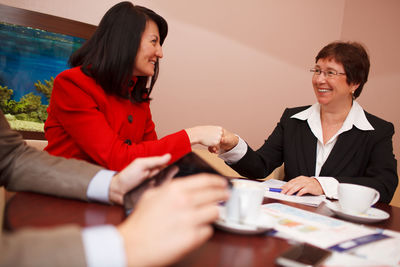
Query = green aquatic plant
x=6 y=103
x=5 y=95
x=29 y=108
x=45 y=88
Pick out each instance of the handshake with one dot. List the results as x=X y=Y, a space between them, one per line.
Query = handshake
x=217 y=139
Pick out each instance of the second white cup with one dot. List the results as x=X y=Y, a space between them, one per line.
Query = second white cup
x=245 y=202
x=355 y=198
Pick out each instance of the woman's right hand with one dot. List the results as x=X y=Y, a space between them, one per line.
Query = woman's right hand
x=205 y=135
x=228 y=141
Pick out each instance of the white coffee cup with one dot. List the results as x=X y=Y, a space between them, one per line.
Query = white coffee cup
x=355 y=198
x=245 y=202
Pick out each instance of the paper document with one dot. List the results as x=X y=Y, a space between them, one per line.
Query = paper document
x=353 y=244
x=306 y=200
x=319 y=230
x=385 y=251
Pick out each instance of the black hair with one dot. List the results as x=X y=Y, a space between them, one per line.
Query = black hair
x=109 y=55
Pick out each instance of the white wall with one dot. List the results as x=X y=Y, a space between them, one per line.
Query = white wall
x=240 y=63
x=228 y=63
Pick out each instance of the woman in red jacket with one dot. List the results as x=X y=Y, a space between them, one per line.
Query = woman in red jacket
x=99 y=109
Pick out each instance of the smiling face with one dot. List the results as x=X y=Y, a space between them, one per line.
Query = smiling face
x=334 y=91
x=149 y=51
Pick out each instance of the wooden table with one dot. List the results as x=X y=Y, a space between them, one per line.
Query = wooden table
x=223 y=249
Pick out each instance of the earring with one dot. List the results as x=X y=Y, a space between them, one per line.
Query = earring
x=352 y=95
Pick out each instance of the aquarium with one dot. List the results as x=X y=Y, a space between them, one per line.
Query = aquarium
x=32 y=54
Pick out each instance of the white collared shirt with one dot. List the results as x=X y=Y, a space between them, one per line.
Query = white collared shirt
x=98 y=241
x=356 y=117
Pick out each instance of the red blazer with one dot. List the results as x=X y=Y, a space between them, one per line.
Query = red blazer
x=85 y=123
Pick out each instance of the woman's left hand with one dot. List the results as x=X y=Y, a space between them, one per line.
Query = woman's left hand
x=302 y=185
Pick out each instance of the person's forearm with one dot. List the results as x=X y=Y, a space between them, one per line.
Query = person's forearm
x=27 y=169
x=55 y=247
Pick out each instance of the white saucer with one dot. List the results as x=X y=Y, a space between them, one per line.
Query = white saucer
x=264 y=224
x=370 y=216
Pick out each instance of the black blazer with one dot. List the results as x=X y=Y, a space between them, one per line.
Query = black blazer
x=358 y=157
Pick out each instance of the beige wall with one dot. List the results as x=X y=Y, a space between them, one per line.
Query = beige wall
x=239 y=64
x=377 y=25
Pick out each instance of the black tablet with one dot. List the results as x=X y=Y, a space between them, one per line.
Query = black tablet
x=187 y=165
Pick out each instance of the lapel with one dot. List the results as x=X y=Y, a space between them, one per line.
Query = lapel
x=307 y=150
x=342 y=153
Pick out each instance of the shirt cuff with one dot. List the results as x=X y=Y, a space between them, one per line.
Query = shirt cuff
x=103 y=246
x=236 y=153
x=329 y=185
x=99 y=186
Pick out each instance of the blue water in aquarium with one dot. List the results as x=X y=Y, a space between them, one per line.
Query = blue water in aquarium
x=29 y=55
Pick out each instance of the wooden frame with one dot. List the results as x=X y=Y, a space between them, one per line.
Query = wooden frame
x=48 y=23
x=45 y=22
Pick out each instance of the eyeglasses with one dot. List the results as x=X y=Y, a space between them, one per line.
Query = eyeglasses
x=327 y=73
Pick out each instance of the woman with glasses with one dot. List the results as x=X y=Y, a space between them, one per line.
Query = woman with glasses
x=333 y=141
x=100 y=108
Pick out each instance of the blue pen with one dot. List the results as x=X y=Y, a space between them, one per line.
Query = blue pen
x=271 y=189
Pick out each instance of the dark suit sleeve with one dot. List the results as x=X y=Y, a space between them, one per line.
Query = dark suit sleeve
x=260 y=163
x=381 y=170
